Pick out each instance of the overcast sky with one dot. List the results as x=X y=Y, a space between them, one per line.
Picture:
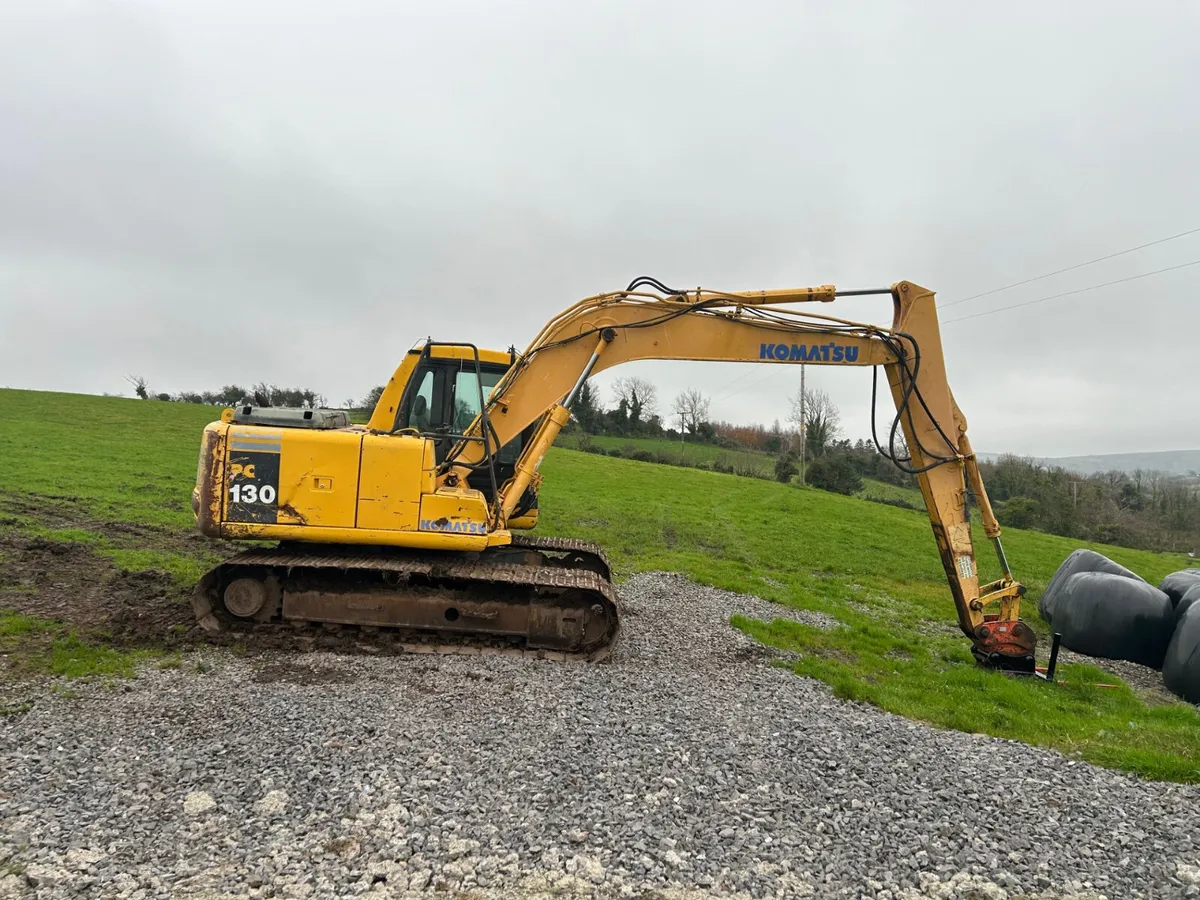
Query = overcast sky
x=211 y=192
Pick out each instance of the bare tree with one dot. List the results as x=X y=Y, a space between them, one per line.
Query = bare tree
x=139 y=386
x=640 y=396
x=692 y=408
x=817 y=417
x=263 y=394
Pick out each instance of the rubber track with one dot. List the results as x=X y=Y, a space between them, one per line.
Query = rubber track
x=415 y=563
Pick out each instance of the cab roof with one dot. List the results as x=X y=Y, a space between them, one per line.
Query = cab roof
x=442 y=351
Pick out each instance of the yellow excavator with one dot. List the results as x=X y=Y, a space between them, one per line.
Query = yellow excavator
x=410 y=526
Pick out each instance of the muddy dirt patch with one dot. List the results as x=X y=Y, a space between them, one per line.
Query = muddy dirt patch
x=70 y=513
x=70 y=583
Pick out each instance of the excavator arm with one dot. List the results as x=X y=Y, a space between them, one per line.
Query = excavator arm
x=765 y=326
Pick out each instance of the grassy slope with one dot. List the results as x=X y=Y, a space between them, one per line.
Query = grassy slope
x=690 y=453
x=883 y=490
x=123 y=457
x=127 y=460
x=874 y=567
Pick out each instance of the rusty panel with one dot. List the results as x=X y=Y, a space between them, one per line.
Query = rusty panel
x=208 y=494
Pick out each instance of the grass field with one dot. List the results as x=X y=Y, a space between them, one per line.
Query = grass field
x=742 y=461
x=686 y=453
x=131 y=464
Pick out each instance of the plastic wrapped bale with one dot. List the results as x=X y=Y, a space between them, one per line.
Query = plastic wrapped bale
x=1179 y=583
x=1113 y=616
x=1185 y=602
x=1079 y=561
x=1181 y=668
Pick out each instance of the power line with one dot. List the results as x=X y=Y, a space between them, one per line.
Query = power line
x=1094 y=287
x=770 y=370
x=726 y=390
x=1070 y=268
x=723 y=395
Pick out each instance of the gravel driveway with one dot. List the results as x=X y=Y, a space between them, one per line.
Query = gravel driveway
x=686 y=766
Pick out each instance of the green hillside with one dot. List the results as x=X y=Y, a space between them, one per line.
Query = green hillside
x=687 y=454
x=115 y=477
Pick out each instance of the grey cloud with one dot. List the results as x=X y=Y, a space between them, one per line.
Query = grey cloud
x=297 y=191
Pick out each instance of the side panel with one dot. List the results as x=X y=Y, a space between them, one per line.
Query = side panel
x=318 y=476
x=396 y=471
x=252 y=492
x=455 y=512
x=251 y=482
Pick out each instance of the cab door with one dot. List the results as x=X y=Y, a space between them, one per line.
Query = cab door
x=424 y=407
x=443 y=400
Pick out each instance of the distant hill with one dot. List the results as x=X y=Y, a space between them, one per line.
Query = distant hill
x=1173 y=462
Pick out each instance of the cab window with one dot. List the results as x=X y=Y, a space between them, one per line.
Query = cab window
x=420 y=409
x=466 y=407
x=466 y=396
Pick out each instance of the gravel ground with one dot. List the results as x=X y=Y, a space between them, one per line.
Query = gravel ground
x=687 y=766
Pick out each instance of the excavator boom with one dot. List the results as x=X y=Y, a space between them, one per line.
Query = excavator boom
x=611 y=329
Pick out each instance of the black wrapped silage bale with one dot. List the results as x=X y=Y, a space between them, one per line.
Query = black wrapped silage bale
x=1192 y=595
x=1113 y=616
x=1082 y=560
x=1179 y=583
x=1181 y=667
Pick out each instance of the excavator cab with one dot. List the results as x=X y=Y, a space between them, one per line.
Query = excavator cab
x=441 y=399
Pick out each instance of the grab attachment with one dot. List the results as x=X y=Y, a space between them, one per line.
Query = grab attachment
x=1007 y=646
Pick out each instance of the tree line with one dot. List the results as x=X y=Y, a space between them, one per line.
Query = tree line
x=260 y=394
x=1142 y=509
x=809 y=444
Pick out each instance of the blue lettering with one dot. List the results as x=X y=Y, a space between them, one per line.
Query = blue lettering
x=453 y=527
x=831 y=352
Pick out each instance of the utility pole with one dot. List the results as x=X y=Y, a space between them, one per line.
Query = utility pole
x=803 y=426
